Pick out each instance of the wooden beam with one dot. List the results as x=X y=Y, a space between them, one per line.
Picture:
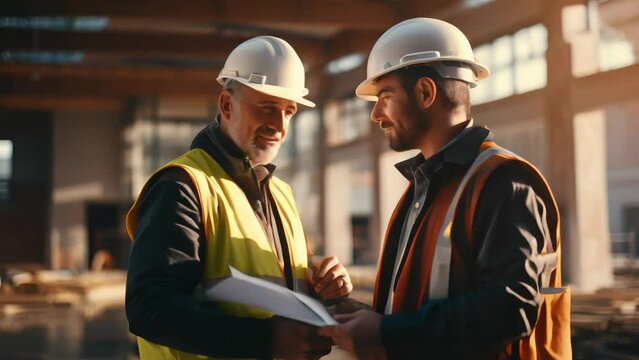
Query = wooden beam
x=353 y=14
x=349 y=42
x=106 y=87
x=105 y=80
x=210 y=46
x=618 y=13
x=62 y=103
x=521 y=108
x=606 y=88
x=589 y=93
x=110 y=72
x=485 y=23
x=433 y=8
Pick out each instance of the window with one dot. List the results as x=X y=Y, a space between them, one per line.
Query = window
x=476 y=3
x=614 y=22
x=6 y=169
x=517 y=63
x=347 y=120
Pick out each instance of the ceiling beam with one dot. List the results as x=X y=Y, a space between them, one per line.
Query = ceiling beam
x=348 y=42
x=589 y=92
x=62 y=103
x=606 y=88
x=352 y=14
x=500 y=112
x=106 y=80
x=118 y=43
x=480 y=24
x=487 y=22
x=209 y=47
x=106 y=87
x=110 y=72
x=433 y=8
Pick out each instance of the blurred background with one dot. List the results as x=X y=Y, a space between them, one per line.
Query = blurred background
x=95 y=95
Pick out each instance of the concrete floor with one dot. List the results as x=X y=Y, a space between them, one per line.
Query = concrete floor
x=605 y=326
x=66 y=334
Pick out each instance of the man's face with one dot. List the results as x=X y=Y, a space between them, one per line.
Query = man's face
x=257 y=122
x=404 y=123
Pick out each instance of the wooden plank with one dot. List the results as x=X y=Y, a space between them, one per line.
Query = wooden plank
x=110 y=72
x=485 y=23
x=209 y=46
x=107 y=87
x=589 y=92
x=353 y=14
x=349 y=42
x=606 y=88
x=62 y=103
x=517 y=108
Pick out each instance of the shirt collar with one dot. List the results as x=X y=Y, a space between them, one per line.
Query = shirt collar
x=461 y=150
x=263 y=172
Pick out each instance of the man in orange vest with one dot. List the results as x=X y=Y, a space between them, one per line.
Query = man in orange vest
x=219 y=206
x=470 y=266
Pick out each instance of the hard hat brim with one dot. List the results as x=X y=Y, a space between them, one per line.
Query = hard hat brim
x=277 y=91
x=367 y=90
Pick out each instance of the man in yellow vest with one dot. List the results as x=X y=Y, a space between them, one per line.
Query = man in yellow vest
x=470 y=266
x=219 y=206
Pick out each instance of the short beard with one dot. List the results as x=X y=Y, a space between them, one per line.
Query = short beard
x=414 y=126
x=259 y=155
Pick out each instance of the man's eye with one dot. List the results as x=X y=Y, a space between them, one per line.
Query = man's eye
x=268 y=110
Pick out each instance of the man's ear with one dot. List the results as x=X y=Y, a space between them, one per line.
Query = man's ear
x=224 y=104
x=425 y=92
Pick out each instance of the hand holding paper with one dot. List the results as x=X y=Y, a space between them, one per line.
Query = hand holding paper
x=248 y=290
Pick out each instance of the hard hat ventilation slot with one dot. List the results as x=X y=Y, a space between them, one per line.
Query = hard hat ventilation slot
x=257 y=79
x=426 y=55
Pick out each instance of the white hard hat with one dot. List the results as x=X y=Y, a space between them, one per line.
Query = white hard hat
x=269 y=65
x=422 y=41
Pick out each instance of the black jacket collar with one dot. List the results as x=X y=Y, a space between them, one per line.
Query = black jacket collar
x=232 y=159
x=461 y=151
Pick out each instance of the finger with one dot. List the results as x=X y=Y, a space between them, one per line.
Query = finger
x=335 y=295
x=337 y=271
x=324 y=266
x=342 y=285
x=345 y=317
x=331 y=287
x=330 y=277
x=336 y=290
x=334 y=279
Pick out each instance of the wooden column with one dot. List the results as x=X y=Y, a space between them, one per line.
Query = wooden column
x=576 y=152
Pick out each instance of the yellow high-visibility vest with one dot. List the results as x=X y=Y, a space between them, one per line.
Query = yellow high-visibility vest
x=234 y=237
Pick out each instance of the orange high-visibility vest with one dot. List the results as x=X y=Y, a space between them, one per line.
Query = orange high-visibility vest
x=431 y=258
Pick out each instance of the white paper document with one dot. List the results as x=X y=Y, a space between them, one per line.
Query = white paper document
x=248 y=290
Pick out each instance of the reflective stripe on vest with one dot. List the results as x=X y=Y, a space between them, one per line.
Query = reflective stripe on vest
x=234 y=237
x=440 y=272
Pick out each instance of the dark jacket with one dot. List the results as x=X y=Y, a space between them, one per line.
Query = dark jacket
x=166 y=261
x=494 y=282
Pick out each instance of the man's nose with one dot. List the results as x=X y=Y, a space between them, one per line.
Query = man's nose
x=376 y=113
x=278 y=121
